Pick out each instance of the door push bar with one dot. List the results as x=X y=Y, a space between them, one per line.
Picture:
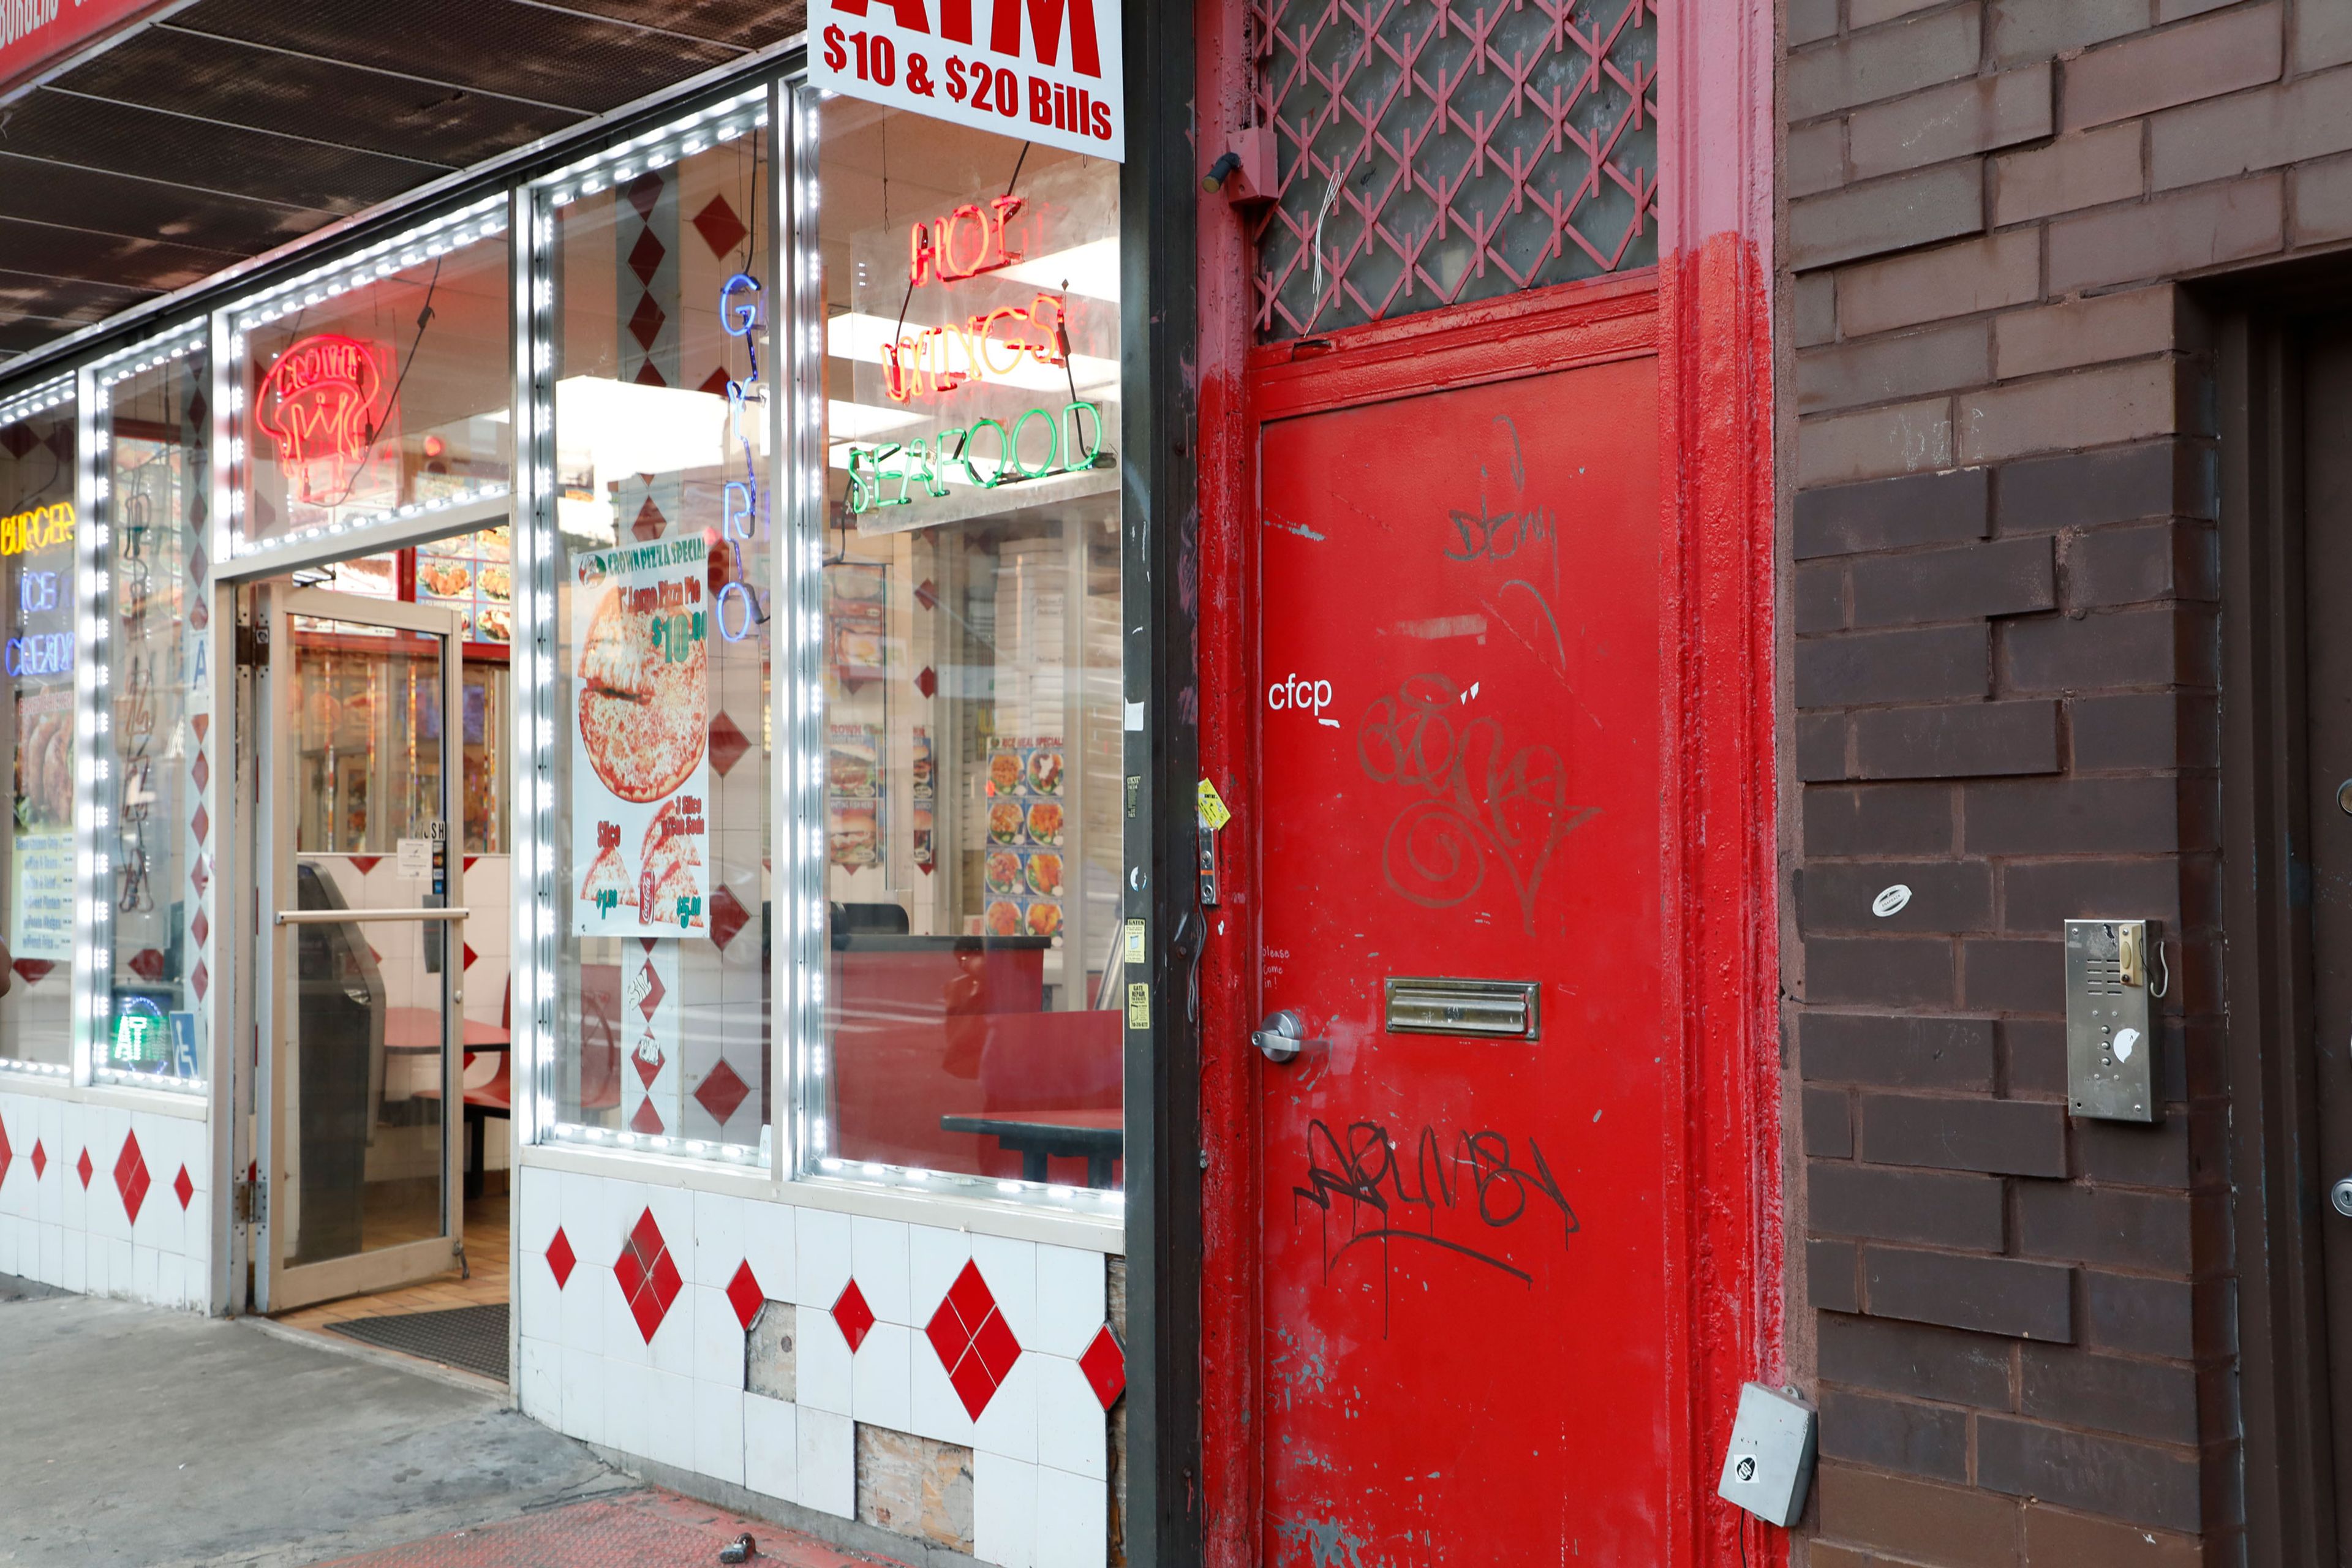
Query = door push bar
x=349 y=917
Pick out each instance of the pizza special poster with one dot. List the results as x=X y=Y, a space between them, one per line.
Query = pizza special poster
x=640 y=768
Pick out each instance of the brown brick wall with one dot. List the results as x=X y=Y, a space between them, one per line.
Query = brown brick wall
x=2002 y=650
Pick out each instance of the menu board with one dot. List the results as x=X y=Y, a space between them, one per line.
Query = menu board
x=472 y=573
x=1023 y=872
x=43 y=897
x=640 y=762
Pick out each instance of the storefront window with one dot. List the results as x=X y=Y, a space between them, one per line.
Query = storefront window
x=155 y=747
x=37 y=534
x=377 y=391
x=657 y=640
x=973 y=1021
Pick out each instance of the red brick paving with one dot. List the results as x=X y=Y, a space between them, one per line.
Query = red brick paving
x=648 y=1529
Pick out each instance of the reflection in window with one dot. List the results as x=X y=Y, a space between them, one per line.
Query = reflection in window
x=38 y=531
x=660 y=380
x=971 y=656
x=155 y=756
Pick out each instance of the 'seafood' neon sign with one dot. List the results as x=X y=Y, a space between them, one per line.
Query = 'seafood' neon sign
x=328 y=403
x=930 y=463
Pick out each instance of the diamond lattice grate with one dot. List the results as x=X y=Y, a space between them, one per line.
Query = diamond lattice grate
x=1434 y=153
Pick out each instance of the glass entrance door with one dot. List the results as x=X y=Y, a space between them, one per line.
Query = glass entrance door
x=361 y=904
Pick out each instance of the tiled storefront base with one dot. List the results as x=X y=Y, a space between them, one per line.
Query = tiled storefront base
x=105 y=1201
x=953 y=1389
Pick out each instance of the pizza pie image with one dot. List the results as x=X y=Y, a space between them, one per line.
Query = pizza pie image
x=1046 y=773
x=1003 y=772
x=1045 y=918
x=1002 y=919
x=670 y=860
x=645 y=715
x=1045 y=875
x=1004 y=872
x=1004 y=821
x=608 y=873
x=1045 y=821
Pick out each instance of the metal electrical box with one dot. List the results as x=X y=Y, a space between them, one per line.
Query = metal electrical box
x=2114 y=971
x=1770 y=1466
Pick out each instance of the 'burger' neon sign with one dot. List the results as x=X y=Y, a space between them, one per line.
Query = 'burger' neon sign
x=328 y=403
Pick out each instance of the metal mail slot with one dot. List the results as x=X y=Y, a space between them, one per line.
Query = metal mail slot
x=1488 y=1009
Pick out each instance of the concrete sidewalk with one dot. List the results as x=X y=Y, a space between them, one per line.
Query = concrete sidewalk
x=137 y=1438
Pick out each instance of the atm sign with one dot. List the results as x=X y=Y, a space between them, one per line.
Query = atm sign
x=1042 y=70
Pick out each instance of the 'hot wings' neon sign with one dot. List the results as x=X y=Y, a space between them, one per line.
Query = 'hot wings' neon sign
x=328 y=402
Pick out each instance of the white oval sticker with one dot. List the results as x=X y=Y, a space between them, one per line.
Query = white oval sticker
x=2126 y=1041
x=1890 y=900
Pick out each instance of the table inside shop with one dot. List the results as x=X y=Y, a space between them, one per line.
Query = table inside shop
x=1100 y=1136
x=418 y=1030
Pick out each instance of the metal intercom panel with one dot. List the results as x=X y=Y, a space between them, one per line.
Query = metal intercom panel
x=1768 y=1467
x=2114 y=972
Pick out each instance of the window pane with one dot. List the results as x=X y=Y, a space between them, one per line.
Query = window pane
x=660 y=666
x=37 y=730
x=157 y=691
x=390 y=394
x=971 y=654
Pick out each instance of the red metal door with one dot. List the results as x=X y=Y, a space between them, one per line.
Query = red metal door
x=1466 y=1325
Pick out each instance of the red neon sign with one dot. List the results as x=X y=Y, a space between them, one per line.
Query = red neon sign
x=941 y=359
x=328 y=403
x=964 y=244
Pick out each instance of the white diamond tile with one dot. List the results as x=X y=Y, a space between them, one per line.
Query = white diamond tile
x=936 y=1411
x=1009 y=1425
x=718 y=1336
x=769 y=1246
x=1070 y=1299
x=584 y=1304
x=1010 y=1269
x=1073 y=1434
x=628 y=1406
x=824 y=1257
x=583 y=1217
x=671 y=1430
x=539 y=1383
x=540 y=1207
x=672 y=1349
x=718 y=1248
x=624 y=1343
x=934 y=1257
x=878 y=1261
x=719 y=1432
x=582 y=1395
x=822 y=1363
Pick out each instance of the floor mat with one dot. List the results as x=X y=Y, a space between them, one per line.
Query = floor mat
x=645 y=1530
x=473 y=1338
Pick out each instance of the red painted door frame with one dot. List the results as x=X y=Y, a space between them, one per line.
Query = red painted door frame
x=1705 y=312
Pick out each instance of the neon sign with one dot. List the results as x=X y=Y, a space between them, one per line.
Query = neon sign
x=328 y=403
x=966 y=243
x=740 y=505
x=929 y=463
x=42 y=528
x=928 y=362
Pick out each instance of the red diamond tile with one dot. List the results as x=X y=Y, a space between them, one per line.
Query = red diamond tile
x=926 y=594
x=201 y=979
x=201 y=878
x=972 y=1340
x=650 y=522
x=926 y=680
x=647 y=1278
x=40 y=1161
x=559 y=1261
x=645 y=258
x=182 y=1188
x=647 y=376
x=728 y=743
x=469 y=861
x=32 y=971
x=363 y=863
x=645 y=323
x=722 y=1091
x=715 y=383
x=743 y=1293
x=471 y=953
x=131 y=1175
x=199 y=928
x=6 y=1153
x=201 y=823
x=1105 y=1365
x=655 y=992
x=720 y=228
x=728 y=916
x=647 y=1120
x=201 y=724
x=82 y=1168
x=147 y=964
x=200 y=770
x=645 y=193
x=853 y=1316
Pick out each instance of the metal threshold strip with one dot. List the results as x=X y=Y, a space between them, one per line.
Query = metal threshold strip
x=349 y=917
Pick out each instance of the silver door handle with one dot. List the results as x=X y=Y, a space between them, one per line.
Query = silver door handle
x=1282 y=1036
x=2340 y=1195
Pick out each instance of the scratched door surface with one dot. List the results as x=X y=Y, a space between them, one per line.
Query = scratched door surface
x=1465 y=1316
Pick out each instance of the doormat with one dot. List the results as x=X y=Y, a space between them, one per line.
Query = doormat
x=472 y=1338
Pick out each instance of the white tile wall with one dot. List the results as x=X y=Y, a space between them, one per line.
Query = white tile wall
x=54 y=1231
x=1041 y=1452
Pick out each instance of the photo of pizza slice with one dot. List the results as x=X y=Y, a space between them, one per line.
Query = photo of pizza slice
x=608 y=874
x=645 y=707
x=670 y=860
